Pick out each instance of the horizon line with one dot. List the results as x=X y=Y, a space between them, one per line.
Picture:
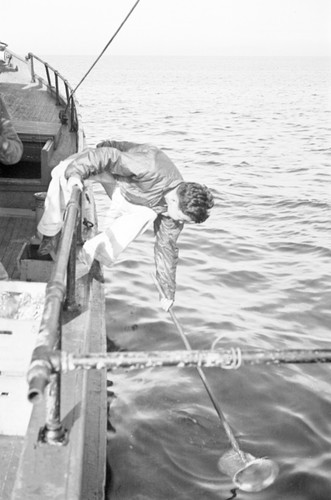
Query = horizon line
x=285 y=56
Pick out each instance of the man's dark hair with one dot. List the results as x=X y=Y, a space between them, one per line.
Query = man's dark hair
x=195 y=200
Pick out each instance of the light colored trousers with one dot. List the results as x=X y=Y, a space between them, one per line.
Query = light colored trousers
x=3 y=272
x=125 y=223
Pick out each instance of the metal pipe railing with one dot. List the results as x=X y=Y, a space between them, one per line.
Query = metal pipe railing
x=229 y=358
x=70 y=302
x=42 y=367
x=56 y=74
x=68 y=99
x=48 y=75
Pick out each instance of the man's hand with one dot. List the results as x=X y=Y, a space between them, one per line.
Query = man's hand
x=166 y=304
x=74 y=181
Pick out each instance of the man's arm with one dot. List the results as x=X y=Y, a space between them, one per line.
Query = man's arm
x=11 y=147
x=93 y=161
x=166 y=253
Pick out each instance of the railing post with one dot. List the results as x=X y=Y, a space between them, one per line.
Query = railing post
x=80 y=221
x=66 y=86
x=53 y=432
x=48 y=75
x=56 y=73
x=33 y=75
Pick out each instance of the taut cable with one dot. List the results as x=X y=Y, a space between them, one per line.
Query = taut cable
x=104 y=50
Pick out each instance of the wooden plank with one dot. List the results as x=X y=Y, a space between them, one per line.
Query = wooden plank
x=14 y=231
x=40 y=129
x=21 y=213
x=11 y=448
x=7 y=254
x=4 y=227
x=95 y=454
x=18 y=193
x=67 y=146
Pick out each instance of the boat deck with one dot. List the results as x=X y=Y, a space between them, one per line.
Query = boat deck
x=32 y=110
x=11 y=448
x=35 y=116
x=21 y=100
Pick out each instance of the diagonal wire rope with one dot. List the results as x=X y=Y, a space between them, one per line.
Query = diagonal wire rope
x=104 y=50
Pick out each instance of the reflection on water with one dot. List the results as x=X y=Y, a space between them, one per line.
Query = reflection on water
x=257 y=272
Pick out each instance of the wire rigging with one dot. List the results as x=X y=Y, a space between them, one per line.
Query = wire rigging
x=104 y=50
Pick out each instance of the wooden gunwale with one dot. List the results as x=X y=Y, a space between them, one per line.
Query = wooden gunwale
x=32 y=470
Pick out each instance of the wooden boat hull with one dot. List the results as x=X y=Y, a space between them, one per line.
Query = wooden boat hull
x=29 y=468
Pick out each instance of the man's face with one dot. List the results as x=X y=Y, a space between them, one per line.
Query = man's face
x=173 y=210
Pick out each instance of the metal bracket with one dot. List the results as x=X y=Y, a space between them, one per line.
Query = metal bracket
x=56 y=437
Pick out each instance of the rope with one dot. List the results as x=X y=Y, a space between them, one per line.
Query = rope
x=216 y=341
x=235 y=361
x=236 y=356
x=103 y=51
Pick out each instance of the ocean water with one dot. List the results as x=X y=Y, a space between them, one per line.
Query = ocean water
x=256 y=274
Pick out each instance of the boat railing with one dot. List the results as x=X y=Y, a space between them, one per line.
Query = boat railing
x=54 y=80
x=43 y=377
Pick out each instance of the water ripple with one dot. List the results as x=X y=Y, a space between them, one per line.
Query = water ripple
x=256 y=274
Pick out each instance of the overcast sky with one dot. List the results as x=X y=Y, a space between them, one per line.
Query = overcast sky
x=168 y=27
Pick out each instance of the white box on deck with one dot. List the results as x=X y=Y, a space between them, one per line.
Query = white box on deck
x=21 y=307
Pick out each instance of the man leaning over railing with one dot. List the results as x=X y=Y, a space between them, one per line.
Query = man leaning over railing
x=146 y=188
